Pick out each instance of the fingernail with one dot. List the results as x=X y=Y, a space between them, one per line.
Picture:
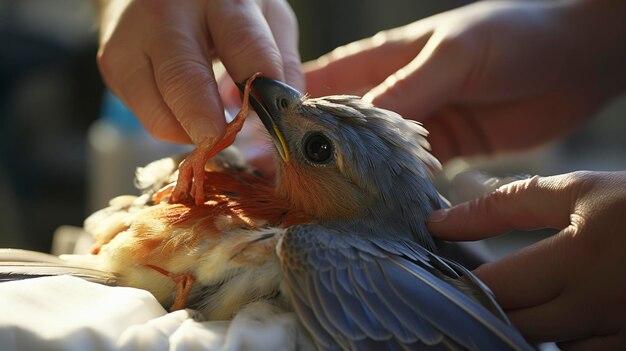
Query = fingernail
x=202 y=128
x=438 y=216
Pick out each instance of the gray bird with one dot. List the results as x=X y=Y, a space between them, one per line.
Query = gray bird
x=365 y=274
x=340 y=236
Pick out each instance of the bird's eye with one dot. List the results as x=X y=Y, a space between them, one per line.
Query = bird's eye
x=317 y=148
x=282 y=103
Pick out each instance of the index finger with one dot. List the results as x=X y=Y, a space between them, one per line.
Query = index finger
x=284 y=27
x=532 y=275
x=357 y=67
x=524 y=205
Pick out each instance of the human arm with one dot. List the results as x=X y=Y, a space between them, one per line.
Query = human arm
x=488 y=77
x=570 y=287
x=156 y=55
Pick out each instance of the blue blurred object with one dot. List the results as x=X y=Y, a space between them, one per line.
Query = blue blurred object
x=118 y=144
x=117 y=114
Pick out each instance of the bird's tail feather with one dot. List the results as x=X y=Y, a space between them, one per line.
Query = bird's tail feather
x=18 y=264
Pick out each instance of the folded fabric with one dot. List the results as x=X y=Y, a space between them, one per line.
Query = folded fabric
x=68 y=313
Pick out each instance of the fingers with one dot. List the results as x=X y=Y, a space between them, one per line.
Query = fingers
x=431 y=79
x=361 y=65
x=155 y=57
x=186 y=82
x=526 y=204
x=530 y=277
x=243 y=39
x=176 y=41
x=354 y=68
x=456 y=131
x=139 y=92
x=284 y=27
x=570 y=315
x=128 y=71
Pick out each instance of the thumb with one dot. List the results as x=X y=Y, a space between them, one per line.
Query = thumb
x=525 y=205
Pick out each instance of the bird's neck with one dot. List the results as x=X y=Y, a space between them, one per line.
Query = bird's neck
x=321 y=195
x=398 y=211
x=403 y=202
x=402 y=221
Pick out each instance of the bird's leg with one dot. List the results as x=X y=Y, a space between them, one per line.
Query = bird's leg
x=163 y=193
x=191 y=174
x=184 y=283
x=191 y=170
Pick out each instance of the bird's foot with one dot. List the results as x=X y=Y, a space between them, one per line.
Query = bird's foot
x=191 y=174
x=191 y=171
x=95 y=249
x=183 y=282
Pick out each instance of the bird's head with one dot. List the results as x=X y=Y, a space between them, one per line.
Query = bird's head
x=339 y=157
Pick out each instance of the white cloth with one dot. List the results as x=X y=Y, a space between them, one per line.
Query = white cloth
x=66 y=313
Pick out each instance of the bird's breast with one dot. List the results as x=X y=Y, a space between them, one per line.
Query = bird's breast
x=235 y=202
x=228 y=243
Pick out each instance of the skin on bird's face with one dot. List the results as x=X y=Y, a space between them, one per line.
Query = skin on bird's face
x=340 y=157
x=314 y=169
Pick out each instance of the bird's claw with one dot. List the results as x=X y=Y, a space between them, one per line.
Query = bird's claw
x=184 y=283
x=191 y=170
x=191 y=175
x=181 y=190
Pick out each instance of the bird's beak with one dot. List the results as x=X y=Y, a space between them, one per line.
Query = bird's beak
x=269 y=98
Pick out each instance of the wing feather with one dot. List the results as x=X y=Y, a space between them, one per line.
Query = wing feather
x=311 y=323
x=358 y=292
x=437 y=301
x=423 y=330
x=341 y=324
x=390 y=321
x=316 y=306
x=362 y=317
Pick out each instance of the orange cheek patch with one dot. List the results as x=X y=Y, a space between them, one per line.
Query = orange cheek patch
x=321 y=193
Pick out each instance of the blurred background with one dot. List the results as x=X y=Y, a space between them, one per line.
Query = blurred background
x=66 y=145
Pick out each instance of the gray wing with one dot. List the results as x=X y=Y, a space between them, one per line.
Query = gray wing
x=358 y=293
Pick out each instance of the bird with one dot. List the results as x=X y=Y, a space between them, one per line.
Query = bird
x=337 y=235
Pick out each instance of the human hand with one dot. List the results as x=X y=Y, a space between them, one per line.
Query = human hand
x=488 y=77
x=571 y=287
x=156 y=56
